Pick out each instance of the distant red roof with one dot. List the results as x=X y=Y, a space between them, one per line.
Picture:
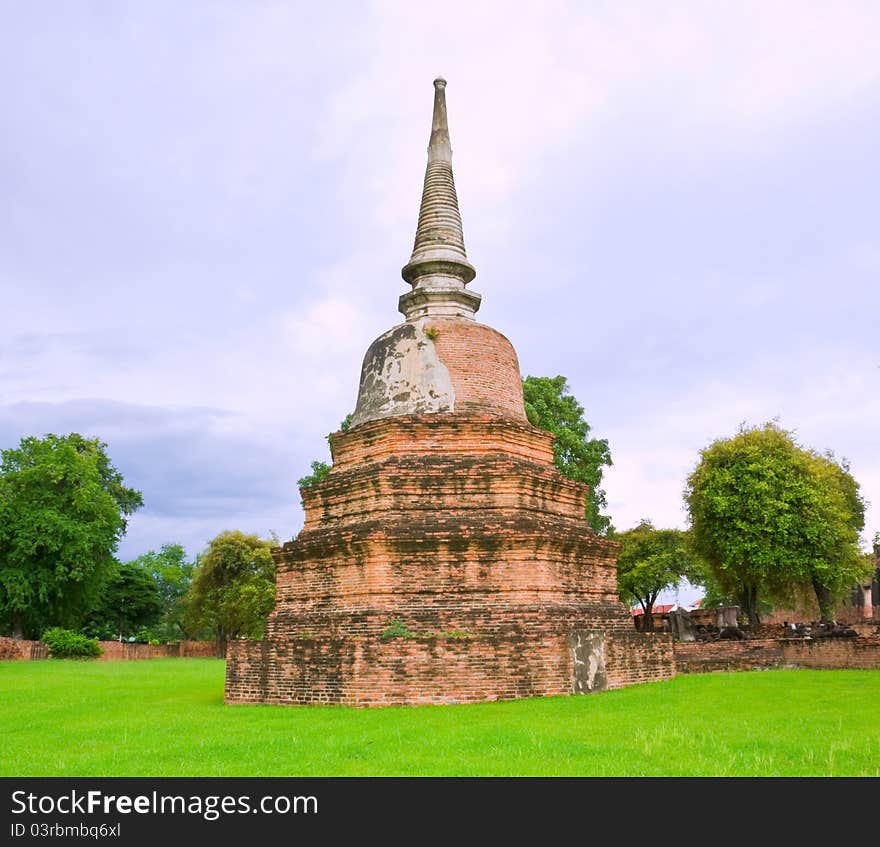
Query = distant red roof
x=657 y=610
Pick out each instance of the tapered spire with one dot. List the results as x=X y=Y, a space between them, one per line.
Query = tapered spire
x=438 y=269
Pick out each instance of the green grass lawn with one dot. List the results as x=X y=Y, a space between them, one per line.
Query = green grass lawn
x=166 y=717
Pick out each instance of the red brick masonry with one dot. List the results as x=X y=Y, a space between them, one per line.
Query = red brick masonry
x=483 y=367
x=760 y=654
x=458 y=529
x=12 y=649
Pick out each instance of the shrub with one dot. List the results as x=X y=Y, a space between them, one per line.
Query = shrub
x=147 y=636
x=64 y=644
x=101 y=631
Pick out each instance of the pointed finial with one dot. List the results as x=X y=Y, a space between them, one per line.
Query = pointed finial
x=438 y=269
x=439 y=148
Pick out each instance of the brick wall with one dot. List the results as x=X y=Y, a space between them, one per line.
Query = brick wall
x=855 y=614
x=402 y=484
x=831 y=653
x=180 y=649
x=809 y=611
x=439 y=434
x=114 y=650
x=806 y=610
x=635 y=657
x=760 y=654
x=422 y=670
x=702 y=657
x=11 y=648
x=482 y=365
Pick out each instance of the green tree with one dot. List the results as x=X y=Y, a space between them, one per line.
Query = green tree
x=233 y=588
x=321 y=469
x=715 y=595
x=836 y=563
x=768 y=516
x=651 y=560
x=130 y=600
x=173 y=574
x=550 y=406
x=63 y=510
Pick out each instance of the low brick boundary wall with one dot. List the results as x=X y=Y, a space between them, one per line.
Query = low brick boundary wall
x=13 y=649
x=180 y=649
x=706 y=656
x=764 y=653
x=832 y=653
x=114 y=650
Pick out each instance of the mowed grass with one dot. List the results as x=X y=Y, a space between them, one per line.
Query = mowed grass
x=166 y=717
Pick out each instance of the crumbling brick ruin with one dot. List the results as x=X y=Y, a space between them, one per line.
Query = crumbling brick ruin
x=443 y=559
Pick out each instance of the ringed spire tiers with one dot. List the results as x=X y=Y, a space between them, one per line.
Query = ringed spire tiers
x=438 y=269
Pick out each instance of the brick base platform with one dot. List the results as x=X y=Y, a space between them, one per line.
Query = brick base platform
x=456 y=533
x=422 y=670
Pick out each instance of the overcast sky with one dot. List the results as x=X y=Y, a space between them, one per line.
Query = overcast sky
x=206 y=206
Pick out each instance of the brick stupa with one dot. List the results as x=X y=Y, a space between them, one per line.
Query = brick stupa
x=443 y=559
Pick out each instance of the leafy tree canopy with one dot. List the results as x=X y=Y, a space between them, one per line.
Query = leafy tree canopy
x=63 y=510
x=173 y=573
x=233 y=588
x=768 y=515
x=550 y=406
x=651 y=560
x=170 y=568
x=130 y=600
x=321 y=469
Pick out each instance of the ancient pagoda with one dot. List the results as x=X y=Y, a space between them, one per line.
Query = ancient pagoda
x=443 y=559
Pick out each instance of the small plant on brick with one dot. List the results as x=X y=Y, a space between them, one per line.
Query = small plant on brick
x=64 y=644
x=432 y=332
x=397 y=629
x=456 y=633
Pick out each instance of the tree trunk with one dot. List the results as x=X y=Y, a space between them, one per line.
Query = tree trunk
x=221 y=643
x=749 y=601
x=827 y=606
x=17 y=626
x=649 y=617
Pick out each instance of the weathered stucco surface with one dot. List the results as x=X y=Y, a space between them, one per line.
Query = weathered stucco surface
x=403 y=375
x=440 y=364
x=588 y=661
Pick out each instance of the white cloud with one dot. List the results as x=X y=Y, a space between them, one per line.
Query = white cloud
x=221 y=221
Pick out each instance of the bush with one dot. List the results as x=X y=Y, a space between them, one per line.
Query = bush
x=64 y=644
x=100 y=631
x=147 y=636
